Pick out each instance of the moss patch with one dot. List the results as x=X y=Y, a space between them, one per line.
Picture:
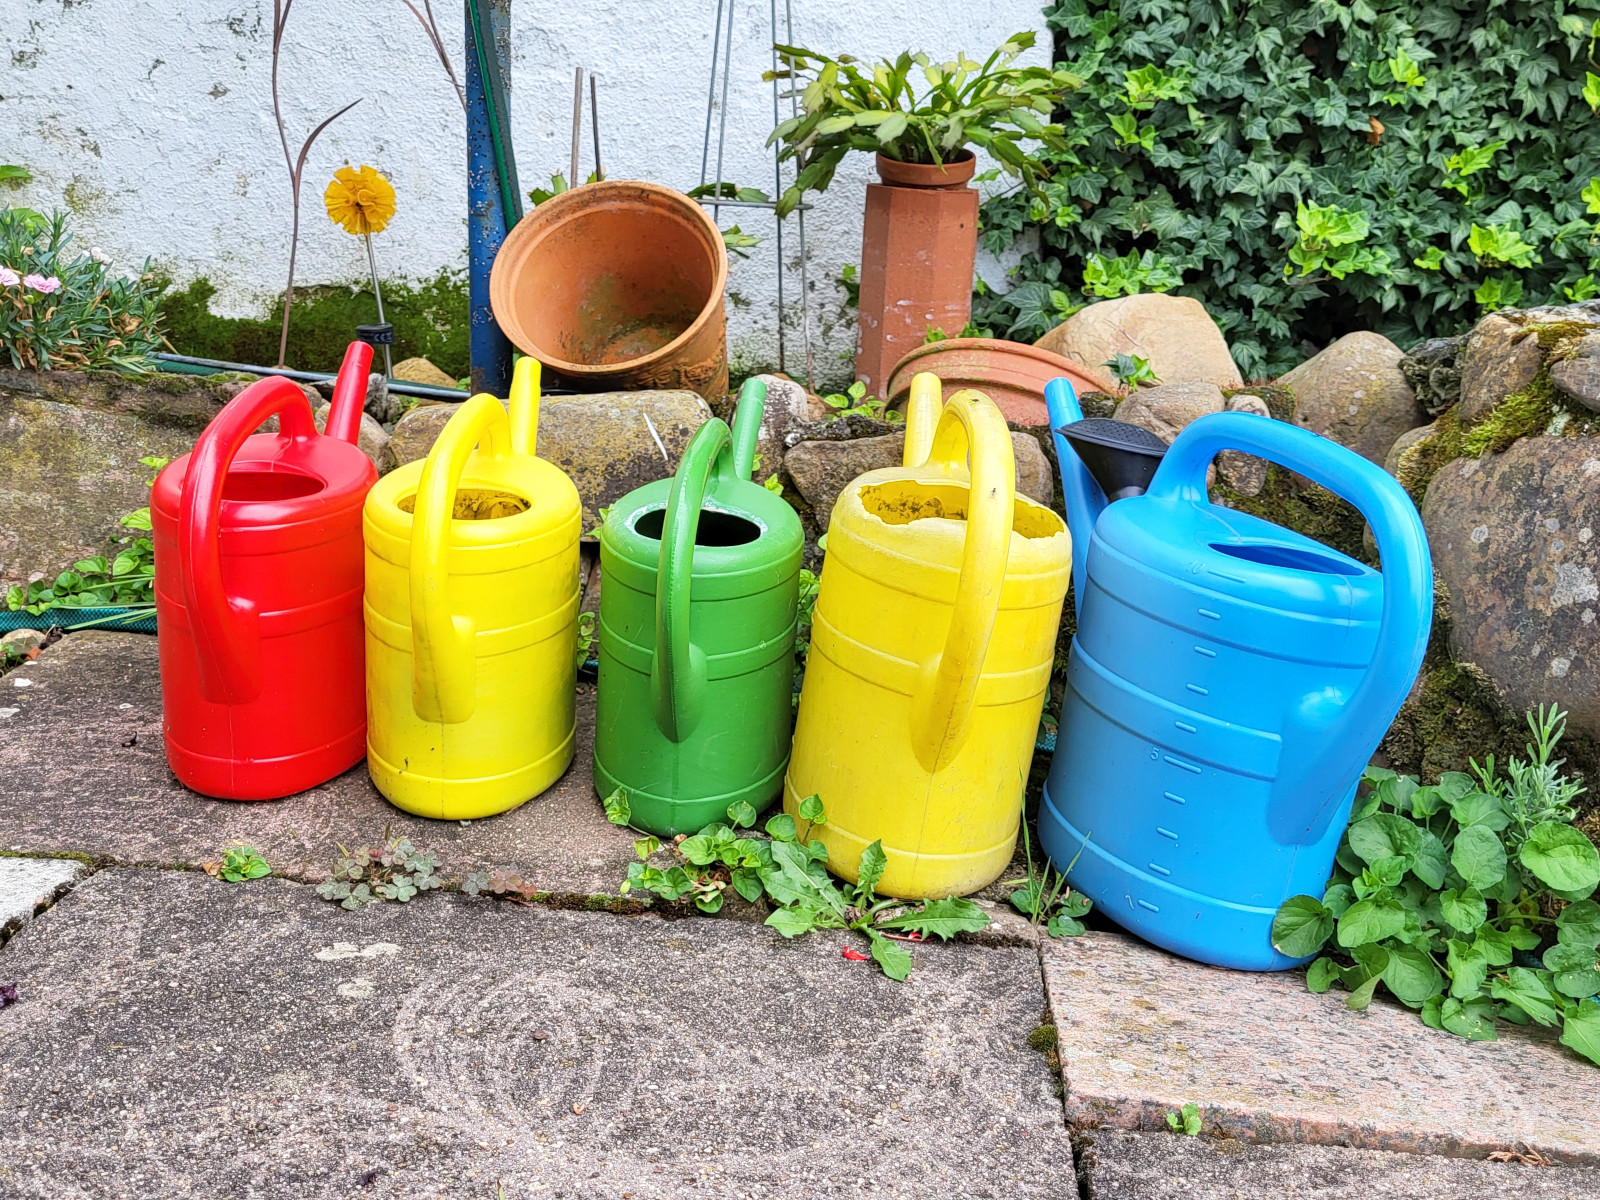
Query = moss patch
x=429 y=319
x=1521 y=414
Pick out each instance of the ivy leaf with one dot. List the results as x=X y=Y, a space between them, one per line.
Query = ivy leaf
x=1579 y=924
x=1465 y=910
x=1561 y=857
x=1371 y=920
x=941 y=918
x=1479 y=857
x=1472 y=1019
x=1301 y=927
x=893 y=957
x=1580 y=1030
x=1574 y=970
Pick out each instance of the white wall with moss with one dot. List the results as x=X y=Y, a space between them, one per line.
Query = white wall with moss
x=152 y=122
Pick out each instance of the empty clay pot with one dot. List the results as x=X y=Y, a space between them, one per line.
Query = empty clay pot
x=617 y=286
x=919 y=242
x=1012 y=374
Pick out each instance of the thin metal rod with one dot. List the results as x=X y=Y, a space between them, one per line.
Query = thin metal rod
x=769 y=205
x=577 y=122
x=722 y=132
x=777 y=183
x=372 y=265
x=805 y=284
x=711 y=93
x=594 y=126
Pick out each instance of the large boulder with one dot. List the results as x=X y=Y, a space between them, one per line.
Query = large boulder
x=1174 y=334
x=70 y=445
x=1244 y=473
x=1167 y=408
x=420 y=370
x=1515 y=545
x=1355 y=393
x=1410 y=459
x=609 y=442
x=821 y=470
x=371 y=440
x=1501 y=357
x=1577 y=377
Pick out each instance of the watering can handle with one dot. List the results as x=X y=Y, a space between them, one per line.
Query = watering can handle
x=747 y=426
x=678 y=671
x=1319 y=780
x=444 y=674
x=349 y=394
x=226 y=630
x=525 y=407
x=1084 y=499
x=941 y=710
x=922 y=417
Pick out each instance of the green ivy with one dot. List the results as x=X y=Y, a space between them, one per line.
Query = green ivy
x=1309 y=168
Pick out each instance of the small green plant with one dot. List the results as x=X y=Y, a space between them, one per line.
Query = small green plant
x=850 y=281
x=853 y=402
x=1331 y=239
x=788 y=868
x=1044 y=897
x=1501 y=246
x=61 y=310
x=14 y=175
x=1467 y=162
x=1441 y=892
x=993 y=104
x=395 y=871
x=1186 y=1120
x=1131 y=274
x=1131 y=370
x=587 y=636
x=241 y=862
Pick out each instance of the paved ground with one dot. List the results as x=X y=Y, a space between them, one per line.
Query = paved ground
x=178 y=1036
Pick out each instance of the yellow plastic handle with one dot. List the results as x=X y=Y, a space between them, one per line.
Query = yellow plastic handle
x=444 y=672
x=525 y=407
x=941 y=711
x=922 y=416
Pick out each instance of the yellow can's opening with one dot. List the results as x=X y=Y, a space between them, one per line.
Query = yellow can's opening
x=476 y=504
x=903 y=501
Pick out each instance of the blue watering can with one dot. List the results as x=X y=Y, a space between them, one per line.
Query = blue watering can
x=1229 y=679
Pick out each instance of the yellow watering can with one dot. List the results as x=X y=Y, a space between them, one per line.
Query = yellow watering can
x=472 y=615
x=931 y=647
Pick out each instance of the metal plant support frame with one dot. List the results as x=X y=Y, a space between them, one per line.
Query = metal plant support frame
x=716 y=202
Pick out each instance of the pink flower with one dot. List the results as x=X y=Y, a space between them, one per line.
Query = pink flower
x=9 y=278
x=42 y=285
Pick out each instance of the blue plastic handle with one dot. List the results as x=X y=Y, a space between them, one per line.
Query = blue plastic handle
x=1085 y=500
x=1334 y=721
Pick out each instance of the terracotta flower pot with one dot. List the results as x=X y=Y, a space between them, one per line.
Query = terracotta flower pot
x=1012 y=374
x=617 y=286
x=919 y=243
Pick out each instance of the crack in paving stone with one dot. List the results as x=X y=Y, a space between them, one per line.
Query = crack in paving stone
x=29 y=886
x=186 y=1031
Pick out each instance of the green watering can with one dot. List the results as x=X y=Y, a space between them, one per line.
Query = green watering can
x=700 y=584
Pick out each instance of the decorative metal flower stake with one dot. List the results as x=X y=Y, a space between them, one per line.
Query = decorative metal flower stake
x=361 y=200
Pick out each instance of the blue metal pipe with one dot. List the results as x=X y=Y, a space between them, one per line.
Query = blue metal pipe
x=487 y=218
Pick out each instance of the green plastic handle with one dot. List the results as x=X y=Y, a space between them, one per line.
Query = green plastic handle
x=678 y=672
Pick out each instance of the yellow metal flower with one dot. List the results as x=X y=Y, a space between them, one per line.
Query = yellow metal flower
x=359 y=199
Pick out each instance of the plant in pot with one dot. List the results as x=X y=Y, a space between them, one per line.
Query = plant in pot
x=919 y=237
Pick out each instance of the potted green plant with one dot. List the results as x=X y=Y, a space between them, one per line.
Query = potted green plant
x=919 y=236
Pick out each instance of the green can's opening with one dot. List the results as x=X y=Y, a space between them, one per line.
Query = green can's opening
x=714 y=529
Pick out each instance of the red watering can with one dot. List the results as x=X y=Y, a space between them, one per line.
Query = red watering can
x=258 y=593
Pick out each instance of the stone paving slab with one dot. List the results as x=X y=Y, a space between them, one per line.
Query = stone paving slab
x=182 y=1037
x=1118 y=1165
x=82 y=771
x=1143 y=1032
x=26 y=884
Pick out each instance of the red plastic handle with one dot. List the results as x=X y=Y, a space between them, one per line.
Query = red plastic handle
x=350 y=394
x=226 y=631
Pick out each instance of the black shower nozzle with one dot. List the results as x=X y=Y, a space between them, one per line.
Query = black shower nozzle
x=1122 y=458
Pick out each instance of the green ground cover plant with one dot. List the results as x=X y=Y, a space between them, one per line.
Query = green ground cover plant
x=1469 y=900
x=62 y=308
x=788 y=869
x=1305 y=168
x=396 y=870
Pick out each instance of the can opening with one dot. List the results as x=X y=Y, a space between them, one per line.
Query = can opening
x=257 y=487
x=715 y=528
x=476 y=504
x=903 y=501
x=1295 y=559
